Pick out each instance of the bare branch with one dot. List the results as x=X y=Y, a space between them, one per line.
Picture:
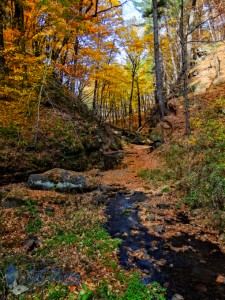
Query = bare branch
x=208 y=42
x=107 y=9
x=205 y=21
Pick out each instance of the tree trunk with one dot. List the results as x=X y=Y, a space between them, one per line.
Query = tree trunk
x=2 y=46
x=158 y=68
x=213 y=36
x=190 y=22
x=139 y=103
x=183 y=41
x=18 y=21
x=175 y=73
x=95 y=98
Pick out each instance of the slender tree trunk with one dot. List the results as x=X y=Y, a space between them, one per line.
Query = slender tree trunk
x=190 y=22
x=139 y=103
x=213 y=36
x=131 y=97
x=158 y=68
x=2 y=46
x=95 y=98
x=175 y=73
x=18 y=21
x=183 y=41
x=132 y=91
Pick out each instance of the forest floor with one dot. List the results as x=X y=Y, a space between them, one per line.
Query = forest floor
x=158 y=236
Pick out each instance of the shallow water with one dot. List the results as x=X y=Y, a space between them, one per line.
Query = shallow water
x=191 y=273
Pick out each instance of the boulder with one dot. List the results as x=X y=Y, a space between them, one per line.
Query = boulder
x=61 y=180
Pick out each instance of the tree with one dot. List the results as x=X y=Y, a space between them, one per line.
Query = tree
x=2 y=44
x=183 y=42
x=158 y=67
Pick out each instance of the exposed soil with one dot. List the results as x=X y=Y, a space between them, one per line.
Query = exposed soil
x=136 y=158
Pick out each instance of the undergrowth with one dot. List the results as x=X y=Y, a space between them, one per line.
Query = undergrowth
x=74 y=243
x=199 y=162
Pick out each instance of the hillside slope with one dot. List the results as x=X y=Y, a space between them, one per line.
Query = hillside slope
x=61 y=132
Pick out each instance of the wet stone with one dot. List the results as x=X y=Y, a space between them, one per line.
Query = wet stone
x=177 y=297
x=100 y=199
x=169 y=220
x=151 y=218
x=154 y=248
x=146 y=257
x=135 y=205
x=146 y=205
x=121 y=192
x=62 y=181
x=135 y=226
x=161 y=214
x=159 y=229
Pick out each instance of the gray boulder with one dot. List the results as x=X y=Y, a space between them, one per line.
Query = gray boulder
x=61 y=180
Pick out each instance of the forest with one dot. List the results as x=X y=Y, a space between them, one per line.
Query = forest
x=112 y=149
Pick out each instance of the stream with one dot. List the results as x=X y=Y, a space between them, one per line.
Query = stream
x=191 y=272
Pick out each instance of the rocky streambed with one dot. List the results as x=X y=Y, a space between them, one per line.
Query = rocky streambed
x=187 y=266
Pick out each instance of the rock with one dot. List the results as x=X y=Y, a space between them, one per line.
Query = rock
x=31 y=242
x=122 y=191
x=159 y=229
x=13 y=202
x=135 y=206
x=50 y=209
x=62 y=181
x=163 y=206
x=135 y=226
x=139 y=196
x=146 y=257
x=100 y=199
x=146 y=205
x=105 y=188
x=177 y=297
x=169 y=220
x=154 y=248
x=161 y=214
x=151 y=218
x=158 y=194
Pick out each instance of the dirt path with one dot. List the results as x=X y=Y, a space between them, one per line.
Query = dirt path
x=136 y=159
